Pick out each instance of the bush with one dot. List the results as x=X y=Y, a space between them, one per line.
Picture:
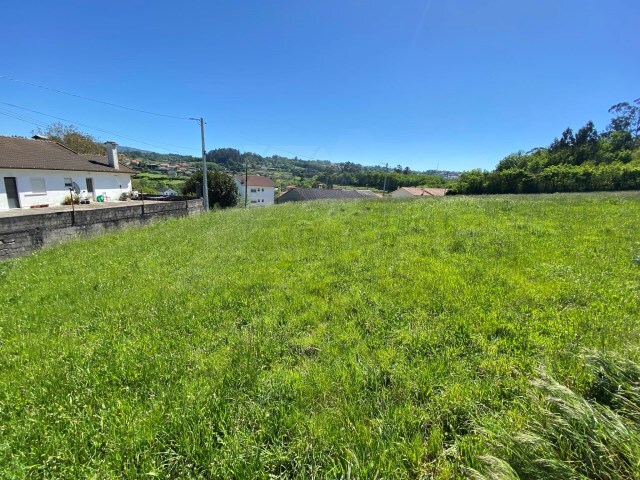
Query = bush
x=67 y=200
x=222 y=189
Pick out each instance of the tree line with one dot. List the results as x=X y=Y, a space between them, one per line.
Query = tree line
x=322 y=171
x=586 y=160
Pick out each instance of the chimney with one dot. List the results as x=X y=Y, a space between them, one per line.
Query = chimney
x=112 y=154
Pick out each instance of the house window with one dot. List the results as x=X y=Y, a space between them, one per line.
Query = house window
x=253 y=190
x=37 y=185
x=68 y=182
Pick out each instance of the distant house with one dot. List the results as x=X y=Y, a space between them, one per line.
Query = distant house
x=39 y=171
x=306 y=194
x=412 y=192
x=167 y=192
x=261 y=190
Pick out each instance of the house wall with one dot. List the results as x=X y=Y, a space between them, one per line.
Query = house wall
x=262 y=196
x=111 y=184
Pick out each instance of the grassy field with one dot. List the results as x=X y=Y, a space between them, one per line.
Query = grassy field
x=154 y=181
x=370 y=339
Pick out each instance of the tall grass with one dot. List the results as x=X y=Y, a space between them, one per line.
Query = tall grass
x=324 y=340
x=595 y=435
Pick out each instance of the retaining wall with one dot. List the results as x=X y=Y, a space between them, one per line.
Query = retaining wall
x=20 y=235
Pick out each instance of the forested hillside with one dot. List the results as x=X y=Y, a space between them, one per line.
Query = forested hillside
x=586 y=160
x=295 y=171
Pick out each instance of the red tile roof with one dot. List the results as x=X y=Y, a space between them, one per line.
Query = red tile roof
x=256 y=181
x=425 y=192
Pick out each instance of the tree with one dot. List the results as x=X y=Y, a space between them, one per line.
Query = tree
x=71 y=137
x=586 y=135
x=510 y=161
x=227 y=157
x=627 y=118
x=222 y=189
x=582 y=162
x=586 y=144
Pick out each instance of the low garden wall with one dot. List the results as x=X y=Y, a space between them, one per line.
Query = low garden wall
x=22 y=234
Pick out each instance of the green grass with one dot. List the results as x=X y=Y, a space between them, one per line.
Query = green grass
x=154 y=181
x=367 y=339
x=595 y=435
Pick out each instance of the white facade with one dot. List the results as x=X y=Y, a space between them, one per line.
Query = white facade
x=38 y=187
x=258 y=196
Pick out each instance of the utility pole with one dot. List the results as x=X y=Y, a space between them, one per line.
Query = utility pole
x=73 y=206
x=205 y=183
x=246 y=179
x=384 y=187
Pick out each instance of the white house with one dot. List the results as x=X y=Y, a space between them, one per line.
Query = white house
x=167 y=192
x=261 y=190
x=412 y=192
x=38 y=171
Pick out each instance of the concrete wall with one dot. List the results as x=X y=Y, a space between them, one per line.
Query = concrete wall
x=113 y=184
x=20 y=235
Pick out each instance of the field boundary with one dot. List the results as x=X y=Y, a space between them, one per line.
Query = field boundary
x=22 y=234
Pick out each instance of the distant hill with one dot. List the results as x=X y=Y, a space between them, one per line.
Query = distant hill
x=293 y=171
x=124 y=149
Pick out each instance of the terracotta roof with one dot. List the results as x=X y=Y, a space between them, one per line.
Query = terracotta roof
x=256 y=181
x=425 y=192
x=24 y=153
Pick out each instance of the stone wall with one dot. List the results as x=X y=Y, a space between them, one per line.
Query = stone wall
x=21 y=234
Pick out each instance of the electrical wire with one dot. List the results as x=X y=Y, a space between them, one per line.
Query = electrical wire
x=25 y=119
x=4 y=77
x=93 y=127
x=110 y=132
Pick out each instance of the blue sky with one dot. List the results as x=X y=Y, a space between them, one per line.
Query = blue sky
x=454 y=84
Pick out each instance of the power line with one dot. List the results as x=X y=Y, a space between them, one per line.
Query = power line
x=4 y=77
x=25 y=119
x=110 y=132
x=93 y=127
